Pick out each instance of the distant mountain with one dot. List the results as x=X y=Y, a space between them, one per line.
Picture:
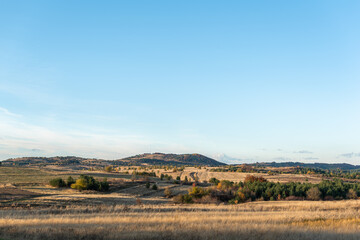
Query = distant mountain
x=324 y=166
x=169 y=159
x=142 y=159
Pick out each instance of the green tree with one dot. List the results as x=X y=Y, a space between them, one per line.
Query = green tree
x=57 y=182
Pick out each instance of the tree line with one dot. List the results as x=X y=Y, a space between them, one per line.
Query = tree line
x=258 y=188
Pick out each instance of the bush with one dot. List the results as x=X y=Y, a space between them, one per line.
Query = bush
x=57 y=182
x=154 y=187
x=70 y=181
x=225 y=184
x=214 y=181
x=251 y=178
x=183 y=198
x=198 y=192
x=168 y=192
x=352 y=194
x=108 y=169
x=103 y=185
x=313 y=194
x=89 y=183
x=147 y=185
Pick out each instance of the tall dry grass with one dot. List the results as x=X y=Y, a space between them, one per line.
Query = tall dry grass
x=256 y=220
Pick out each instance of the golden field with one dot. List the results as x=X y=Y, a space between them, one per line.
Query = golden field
x=255 y=220
x=31 y=209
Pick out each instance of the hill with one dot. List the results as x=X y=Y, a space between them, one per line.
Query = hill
x=60 y=161
x=142 y=159
x=324 y=166
x=169 y=159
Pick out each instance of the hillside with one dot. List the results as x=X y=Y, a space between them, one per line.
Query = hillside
x=169 y=159
x=324 y=166
x=142 y=159
x=60 y=161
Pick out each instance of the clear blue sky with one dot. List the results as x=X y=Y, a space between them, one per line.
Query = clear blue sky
x=236 y=80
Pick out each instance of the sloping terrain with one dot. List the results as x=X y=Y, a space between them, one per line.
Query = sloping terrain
x=142 y=159
x=324 y=166
x=169 y=159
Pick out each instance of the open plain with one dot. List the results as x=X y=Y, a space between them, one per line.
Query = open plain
x=31 y=209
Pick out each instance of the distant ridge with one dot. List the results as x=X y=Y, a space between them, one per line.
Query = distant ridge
x=141 y=159
x=324 y=166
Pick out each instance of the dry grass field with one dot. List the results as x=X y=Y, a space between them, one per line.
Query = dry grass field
x=30 y=209
x=24 y=185
x=255 y=220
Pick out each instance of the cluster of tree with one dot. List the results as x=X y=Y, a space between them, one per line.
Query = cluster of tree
x=144 y=173
x=165 y=176
x=257 y=188
x=335 y=173
x=355 y=174
x=154 y=186
x=84 y=182
x=247 y=169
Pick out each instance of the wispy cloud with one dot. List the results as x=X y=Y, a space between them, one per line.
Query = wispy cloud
x=19 y=138
x=311 y=158
x=282 y=159
x=349 y=155
x=304 y=152
x=8 y=113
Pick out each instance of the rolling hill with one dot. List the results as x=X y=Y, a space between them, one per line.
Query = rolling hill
x=169 y=159
x=323 y=166
x=142 y=159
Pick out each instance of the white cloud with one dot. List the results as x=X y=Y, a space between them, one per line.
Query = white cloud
x=8 y=113
x=19 y=138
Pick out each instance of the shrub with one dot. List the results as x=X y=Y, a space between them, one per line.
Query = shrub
x=104 y=185
x=154 y=187
x=251 y=178
x=57 y=182
x=70 y=181
x=198 y=192
x=313 y=194
x=186 y=179
x=351 y=194
x=167 y=192
x=108 y=169
x=89 y=183
x=80 y=184
x=147 y=185
x=214 y=181
x=225 y=184
x=183 y=198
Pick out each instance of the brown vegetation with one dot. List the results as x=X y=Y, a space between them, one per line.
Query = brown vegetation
x=256 y=220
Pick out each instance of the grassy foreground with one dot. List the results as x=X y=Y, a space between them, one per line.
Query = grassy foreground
x=255 y=220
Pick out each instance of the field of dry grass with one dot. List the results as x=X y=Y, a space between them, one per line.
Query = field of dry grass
x=30 y=209
x=255 y=220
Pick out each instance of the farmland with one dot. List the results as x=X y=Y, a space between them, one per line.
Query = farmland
x=32 y=209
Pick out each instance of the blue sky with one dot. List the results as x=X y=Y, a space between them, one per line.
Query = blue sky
x=241 y=81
